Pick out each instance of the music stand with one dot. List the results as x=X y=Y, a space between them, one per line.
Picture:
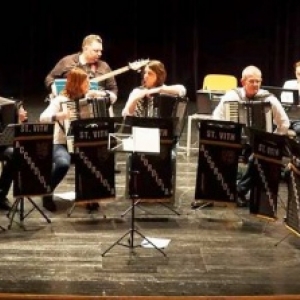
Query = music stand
x=141 y=140
x=157 y=180
x=219 y=151
x=267 y=154
x=292 y=219
x=94 y=162
x=33 y=145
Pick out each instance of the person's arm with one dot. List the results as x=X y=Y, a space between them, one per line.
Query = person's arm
x=133 y=98
x=280 y=118
x=175 y=89
x=53 y=111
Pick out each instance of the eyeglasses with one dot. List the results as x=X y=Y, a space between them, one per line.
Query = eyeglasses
x=254 y=81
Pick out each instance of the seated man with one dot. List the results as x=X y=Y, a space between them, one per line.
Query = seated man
x=250 y=90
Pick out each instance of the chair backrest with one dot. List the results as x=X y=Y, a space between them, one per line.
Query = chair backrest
x=219 y=82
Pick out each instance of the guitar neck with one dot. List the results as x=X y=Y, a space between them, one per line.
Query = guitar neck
x=110 y=74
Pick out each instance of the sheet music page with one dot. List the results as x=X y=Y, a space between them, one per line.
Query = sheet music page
x=128 y=144
x=146 y=139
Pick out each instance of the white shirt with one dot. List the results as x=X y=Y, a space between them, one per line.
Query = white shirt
x=138 y=93
x=280 y=118
x=55 y=106
x=287 y=97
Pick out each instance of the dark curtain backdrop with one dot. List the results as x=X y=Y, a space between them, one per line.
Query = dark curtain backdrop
x=191 y=37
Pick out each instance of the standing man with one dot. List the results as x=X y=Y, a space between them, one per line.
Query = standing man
x=88 y=59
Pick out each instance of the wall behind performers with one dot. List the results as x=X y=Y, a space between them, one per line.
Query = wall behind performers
x=192 y=38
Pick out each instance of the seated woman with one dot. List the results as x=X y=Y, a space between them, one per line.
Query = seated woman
x=141 y=103
x=140 y=100
x=76 y=87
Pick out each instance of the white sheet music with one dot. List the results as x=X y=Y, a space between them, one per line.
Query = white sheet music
x=146 y=139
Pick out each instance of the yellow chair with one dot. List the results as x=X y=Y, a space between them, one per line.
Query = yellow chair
x=219 y=82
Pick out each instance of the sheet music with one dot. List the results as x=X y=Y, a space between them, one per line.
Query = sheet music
x=146 y=139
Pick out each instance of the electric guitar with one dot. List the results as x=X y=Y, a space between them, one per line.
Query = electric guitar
x=60 y=83
x=135 y=66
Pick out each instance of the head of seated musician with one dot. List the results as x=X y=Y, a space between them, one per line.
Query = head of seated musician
x=287 y=98
x=89 y=60
x=140 y=99
x=250 y=90
x=57 y=111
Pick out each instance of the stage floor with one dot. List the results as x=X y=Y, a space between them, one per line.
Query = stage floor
x=221 y=250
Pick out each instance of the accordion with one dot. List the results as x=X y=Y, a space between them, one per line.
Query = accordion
x=253 y=114
x=85 y=108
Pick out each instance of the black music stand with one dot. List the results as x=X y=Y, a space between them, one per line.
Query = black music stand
x=33 y=145
x=219 y=151
x=127 y=143
x=267 y=165
x=292 y=219
x=94 y=162
x=157 y=180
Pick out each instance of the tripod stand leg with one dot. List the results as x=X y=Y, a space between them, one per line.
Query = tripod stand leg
x=130 y=208
x=117 y=243
x=170 y=208
x=20 y=202
x=71 y=210
x=39 y=210
x=282 y=239
x=149 y=242
x=205 y=204
x=11 y=214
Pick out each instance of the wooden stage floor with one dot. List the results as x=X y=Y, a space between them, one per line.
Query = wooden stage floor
x=217 y=251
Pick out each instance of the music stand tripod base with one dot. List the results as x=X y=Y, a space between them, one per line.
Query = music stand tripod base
x=18 y=207
x=134 y=198
x=131 y=233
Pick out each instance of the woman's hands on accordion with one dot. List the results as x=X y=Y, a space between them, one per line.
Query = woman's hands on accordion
x=96 y=94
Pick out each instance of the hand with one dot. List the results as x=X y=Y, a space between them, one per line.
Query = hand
x=95 y=94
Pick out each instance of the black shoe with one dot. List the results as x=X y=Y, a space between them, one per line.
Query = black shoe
x=4 y=204
x=241 y=201
x=92 y=206
x=49 y=204
x=201 y=204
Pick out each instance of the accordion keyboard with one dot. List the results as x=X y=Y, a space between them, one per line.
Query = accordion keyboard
x=232 y=111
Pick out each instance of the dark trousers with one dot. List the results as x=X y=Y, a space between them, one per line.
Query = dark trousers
x=245 y=184
x=61 y=164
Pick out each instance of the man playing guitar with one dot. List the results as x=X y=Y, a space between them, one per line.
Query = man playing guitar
x=89 y=59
